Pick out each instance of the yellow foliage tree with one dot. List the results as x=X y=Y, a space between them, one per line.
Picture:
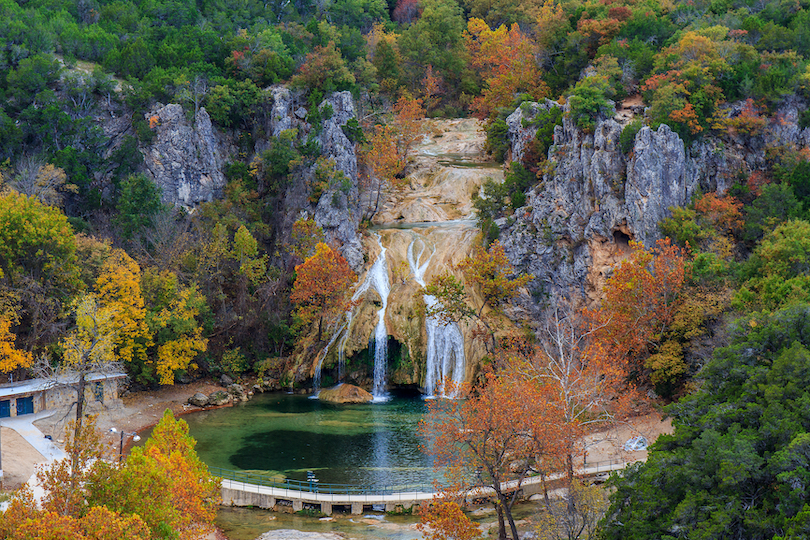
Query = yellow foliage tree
x=179 y=319
x=119 y=289
x=11 y=357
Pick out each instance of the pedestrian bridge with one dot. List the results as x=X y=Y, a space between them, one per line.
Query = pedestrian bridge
x=245 y=488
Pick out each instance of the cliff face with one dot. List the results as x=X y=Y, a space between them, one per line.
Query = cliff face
x=186 y=159
x=592 y=200
x=337 y=211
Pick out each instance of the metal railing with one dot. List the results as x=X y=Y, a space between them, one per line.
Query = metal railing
x=266 y=480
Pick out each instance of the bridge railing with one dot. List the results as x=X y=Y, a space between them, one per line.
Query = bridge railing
x=259 y=479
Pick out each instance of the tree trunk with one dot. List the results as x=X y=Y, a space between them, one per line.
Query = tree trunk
x=507 y=508
x=77 y=430
x=501 y=524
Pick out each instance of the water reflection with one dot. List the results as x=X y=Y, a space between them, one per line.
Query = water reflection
x=372 y=444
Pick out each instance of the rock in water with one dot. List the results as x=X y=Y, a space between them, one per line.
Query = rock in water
x=290 y=534
x=345 y=393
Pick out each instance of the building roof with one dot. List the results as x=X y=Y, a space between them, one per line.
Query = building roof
x=39 y=385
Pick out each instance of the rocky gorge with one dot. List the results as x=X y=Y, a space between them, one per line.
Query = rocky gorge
x=590 y=201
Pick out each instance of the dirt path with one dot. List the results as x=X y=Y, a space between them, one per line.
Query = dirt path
x=140 y=410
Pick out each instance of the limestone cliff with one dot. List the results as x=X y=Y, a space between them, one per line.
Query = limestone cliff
x=337 y=210
x=186 y=158
x=592 y=200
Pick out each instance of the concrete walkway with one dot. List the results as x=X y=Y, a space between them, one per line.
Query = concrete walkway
x=25 y=427
x=243 y=494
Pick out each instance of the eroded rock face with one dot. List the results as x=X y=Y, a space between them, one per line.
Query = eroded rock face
x=186 y=158
x=337 y=211
x=656 y=180
x=579 y=220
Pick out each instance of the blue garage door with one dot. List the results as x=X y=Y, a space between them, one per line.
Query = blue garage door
x=25 y=405
x=5 y=408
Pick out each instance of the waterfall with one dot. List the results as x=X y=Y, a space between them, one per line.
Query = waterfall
x=445 y=344
x=316 y=380
x=377 y=277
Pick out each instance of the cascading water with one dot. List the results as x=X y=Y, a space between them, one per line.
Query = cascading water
x=316 y=380
x=377 y=277
x=445 y=344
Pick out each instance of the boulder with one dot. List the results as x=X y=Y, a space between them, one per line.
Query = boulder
x=225 y=380
x=219 y=398
x=345 y=393
x=198 y=400
x=236 y=390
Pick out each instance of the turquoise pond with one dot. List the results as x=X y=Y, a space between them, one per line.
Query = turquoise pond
x=374 y=445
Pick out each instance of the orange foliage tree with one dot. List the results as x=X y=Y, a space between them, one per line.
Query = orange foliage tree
x=321 y=288
x=640 y=301
x=389 y=146
x=383 y=163
x=580 y=379
x=505 y=57
x=444 y=520
x=11 y=357
x=489 y=270
x=498 y=432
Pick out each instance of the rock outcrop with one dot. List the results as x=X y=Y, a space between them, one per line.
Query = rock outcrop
x=186 y=158
x=338 y=210
x=345 y=393
x=579 y=220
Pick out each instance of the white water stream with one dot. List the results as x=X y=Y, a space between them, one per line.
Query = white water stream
x=377 y=278
x=445 y=344
x=427 y=228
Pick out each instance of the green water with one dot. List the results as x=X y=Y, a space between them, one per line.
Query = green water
x=373 y=445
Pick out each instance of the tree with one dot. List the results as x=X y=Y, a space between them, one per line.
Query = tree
x=444 y=520
x=118 y=289
x=486 y=270
x=137 y=204
x=321 y=288
x=383 y=162
x=489 y=271
x=493 y=432
x=640 y=301
x=505 y=58
x=558 y=522
x=164 y=482
x=174 y=322
x=304 y=238
x=583 y=381
x=38 y=267
x=324 y=70
x=11 y=357
x=588 y=101
x=777 y=274
x=736 y=465
x=88 y=348
x=44 y=182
